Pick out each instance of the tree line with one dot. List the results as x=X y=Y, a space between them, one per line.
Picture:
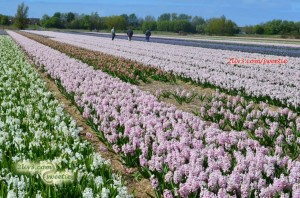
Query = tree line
x=275 y=27
x=170 y=22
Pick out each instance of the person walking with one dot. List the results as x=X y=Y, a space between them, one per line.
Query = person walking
x=129 y=34
x=148 y=34
x=113 y=33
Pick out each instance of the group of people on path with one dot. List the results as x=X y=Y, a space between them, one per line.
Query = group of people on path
x=130 y=34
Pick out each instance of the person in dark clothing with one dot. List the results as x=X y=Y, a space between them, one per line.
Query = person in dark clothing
x=148 y=34
x=129 y=34
x=113 y=33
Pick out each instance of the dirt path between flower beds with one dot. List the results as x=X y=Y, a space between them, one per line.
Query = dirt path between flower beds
x=139 y=189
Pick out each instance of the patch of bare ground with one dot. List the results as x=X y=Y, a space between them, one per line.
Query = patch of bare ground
x=195 y=104
x=139 y=188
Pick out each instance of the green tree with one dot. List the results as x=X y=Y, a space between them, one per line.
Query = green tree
x=174 y=17
x=248 y=29
x=149 y=18
x=54 y=22
x=164 y=17
x=297 y=27
x=21 y=20
x=272 y=27
x=201 y=29
x=86 y=22
x=149 y=25
x=221 y=26
x=198 y=21
x=182 y=26
x=198 y=24
x=258 y=29
x=57 y=15
x=133 y=20
x=184 y=17
x=70 y=17
x=75 y=24
x=45 y=21
x=95 y=21
x=163 y=25
x=286 y=27
x=125 y=16
x=4 y=20
x=118 y=22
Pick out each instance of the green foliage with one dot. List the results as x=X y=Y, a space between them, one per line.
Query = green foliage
x=149 y=25
x=21 y=20
x=70 y=17
x=52 y=22
x=175 y=26
x=258 y=29
x=182 y=25
x=248 y=29
x=44 y=20
x=4 y=20
x=149 y=18
x=163 y=25
x=73 y=21
x=272 y=27
x=197 y=20
x=184 y=17
x=133 y=20
x=118 y=22
x=221 y=26
x=164 y=17
x=175 y=23
x=275 y=27
x=200 y=29
x=96 y=22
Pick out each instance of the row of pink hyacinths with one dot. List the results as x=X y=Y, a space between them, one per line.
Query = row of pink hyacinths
x=180 y=150
x=277 y=81
x=271 y=128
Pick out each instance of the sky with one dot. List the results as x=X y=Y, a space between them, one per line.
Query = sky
x=243 y=12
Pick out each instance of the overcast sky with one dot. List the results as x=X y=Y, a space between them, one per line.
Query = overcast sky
x=243 y=12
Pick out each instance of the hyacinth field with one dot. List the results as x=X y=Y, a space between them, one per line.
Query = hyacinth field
x=242 y=140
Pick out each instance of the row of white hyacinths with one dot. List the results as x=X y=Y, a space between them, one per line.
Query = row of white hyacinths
x=34 y=128
x=280 y=82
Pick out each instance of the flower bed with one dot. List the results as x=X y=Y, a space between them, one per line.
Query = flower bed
x=36 y=134
x=271 y=128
